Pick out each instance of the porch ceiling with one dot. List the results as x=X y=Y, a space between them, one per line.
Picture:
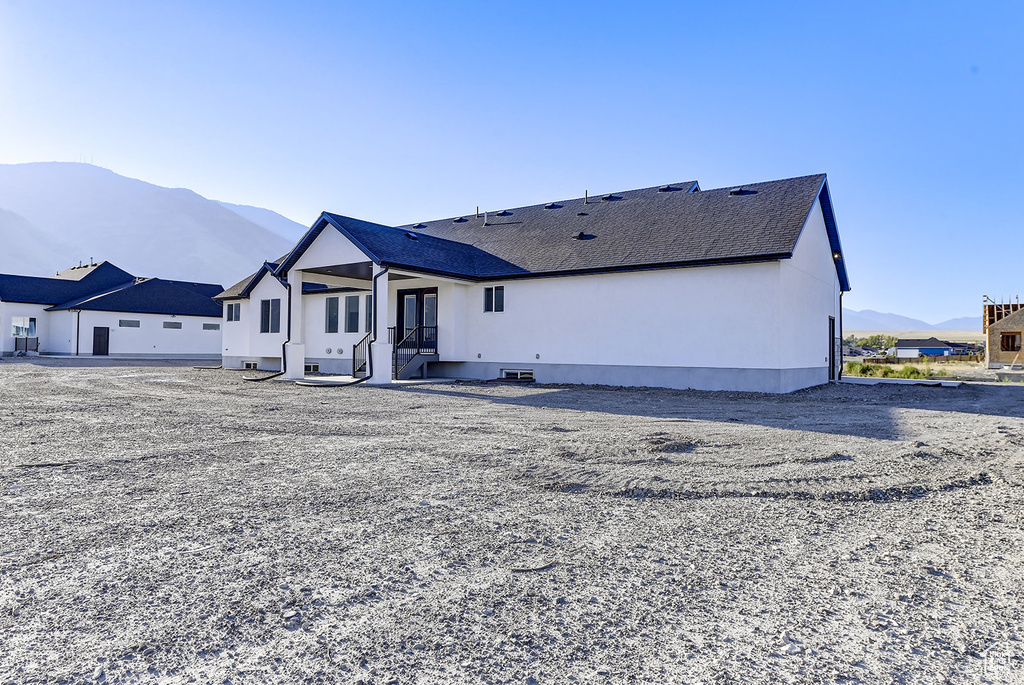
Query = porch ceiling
x=362 y=271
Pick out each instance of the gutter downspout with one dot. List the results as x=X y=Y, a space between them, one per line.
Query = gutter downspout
x=284 y=357
x=78 y=329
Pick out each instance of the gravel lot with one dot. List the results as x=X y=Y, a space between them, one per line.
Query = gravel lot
x=164 y=524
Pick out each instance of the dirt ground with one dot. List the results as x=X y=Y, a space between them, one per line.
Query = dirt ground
x=165 y=524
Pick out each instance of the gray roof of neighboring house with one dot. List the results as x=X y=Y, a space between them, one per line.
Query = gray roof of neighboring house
x=913 y=343
x=661 y=226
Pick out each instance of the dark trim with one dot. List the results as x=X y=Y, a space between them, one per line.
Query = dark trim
x=600 y=270
x=311 y=235
x=828 y=214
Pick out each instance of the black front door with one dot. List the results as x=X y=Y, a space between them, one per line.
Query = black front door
x=417 y=311
x=100 y=341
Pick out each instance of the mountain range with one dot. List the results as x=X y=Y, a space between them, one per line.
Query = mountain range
x=870 y=320
x=57 y=214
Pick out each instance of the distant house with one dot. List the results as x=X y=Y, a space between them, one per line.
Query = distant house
x=100 y=310
x=1003 y=324
x=913 y=348
x=730 y=289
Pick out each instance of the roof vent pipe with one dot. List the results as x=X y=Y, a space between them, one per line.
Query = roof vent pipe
x=485 y=218
x=478 y=211
x=585 y=193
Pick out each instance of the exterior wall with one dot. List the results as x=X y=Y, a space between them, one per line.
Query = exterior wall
x=151 y=339
x=996 y=358
x=265 y=344
x=57 y=333
x=318 y=341
x=9 y=310
x=717 y=317
x=809 y=294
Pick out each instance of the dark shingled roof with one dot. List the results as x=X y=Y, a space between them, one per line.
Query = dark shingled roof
x=661 y=226
x=153 y=296
x=242 y=288
x=912 y=343
x=70 y=284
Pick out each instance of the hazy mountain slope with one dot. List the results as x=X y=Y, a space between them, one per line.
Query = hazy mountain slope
x=270 y=220
x=963 y=323
x=870 y=320
x=145 y=229
x=27 y=249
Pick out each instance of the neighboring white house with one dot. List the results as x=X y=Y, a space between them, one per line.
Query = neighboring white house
x=673 y=286
x=99 y=310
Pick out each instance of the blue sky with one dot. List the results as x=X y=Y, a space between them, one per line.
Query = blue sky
x=401 y=111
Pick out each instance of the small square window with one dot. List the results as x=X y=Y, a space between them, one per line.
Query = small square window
x=494 y=299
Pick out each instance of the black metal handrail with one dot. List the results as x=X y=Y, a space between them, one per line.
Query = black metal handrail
x=360 y=353
x=419 y=340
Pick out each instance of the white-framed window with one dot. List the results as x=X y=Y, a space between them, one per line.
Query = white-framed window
x=270 y=316
x=129 y=323
x=352 y=314
x=517 y=374
x=494 y=299
x=331 y=315
x=23 y=326
x=234 y=311
x=176 y=325
x=211 y=326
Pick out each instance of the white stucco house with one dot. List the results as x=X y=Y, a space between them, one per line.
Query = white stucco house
x=101 y=310
x=730 y=289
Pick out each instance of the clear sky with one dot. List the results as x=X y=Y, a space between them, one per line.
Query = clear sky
x=400 y=111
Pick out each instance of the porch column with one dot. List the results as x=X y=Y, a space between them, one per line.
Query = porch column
x=295 y=350
x=381 y=349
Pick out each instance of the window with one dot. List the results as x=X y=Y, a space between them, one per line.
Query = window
x=234 y=311
x=494 y=299
x=1009 y=342
x=313 y=368
x=250 y=366
x=517 y=374
x=352 y=314
x=211 y=326
x=331 y=316
x=369 y=313
x=23 y=327
x=172 y=324
x=128 y=323
x=270 y=316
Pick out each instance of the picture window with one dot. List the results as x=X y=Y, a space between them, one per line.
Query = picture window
x=23 y=327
